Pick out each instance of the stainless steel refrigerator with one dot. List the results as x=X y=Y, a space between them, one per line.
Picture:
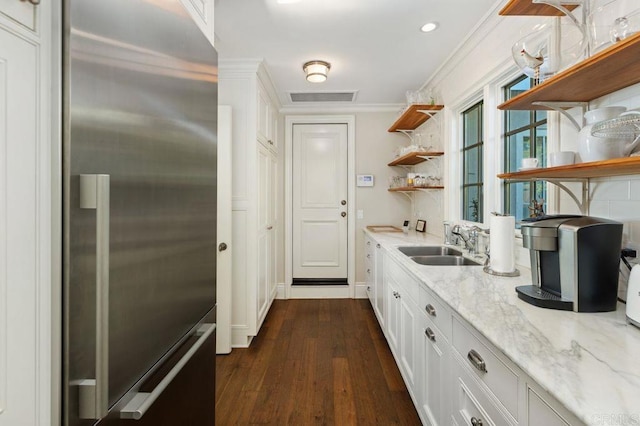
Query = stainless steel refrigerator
x=140 y=118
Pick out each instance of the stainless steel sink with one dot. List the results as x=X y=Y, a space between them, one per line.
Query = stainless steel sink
x=429 y=251
x=449 y=260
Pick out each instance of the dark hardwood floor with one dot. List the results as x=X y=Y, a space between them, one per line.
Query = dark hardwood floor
x=315 y=362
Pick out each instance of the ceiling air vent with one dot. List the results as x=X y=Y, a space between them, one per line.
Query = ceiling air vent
x=323 y=96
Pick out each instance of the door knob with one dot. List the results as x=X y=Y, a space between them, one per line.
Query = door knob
x=343 y=202
x=343 y=214
x=222 y=247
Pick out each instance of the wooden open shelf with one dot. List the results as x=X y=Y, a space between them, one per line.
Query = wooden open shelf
x=606 y=72
x=413 y=158
x=616 y=167
x=411 y=119
x=413 y=188
x=527 y=7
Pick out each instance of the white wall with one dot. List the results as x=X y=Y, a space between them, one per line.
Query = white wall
x=374 y=150
x=479 y=68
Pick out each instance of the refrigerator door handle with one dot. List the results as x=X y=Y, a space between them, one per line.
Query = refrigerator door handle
x=142 y=401
x=94 y=393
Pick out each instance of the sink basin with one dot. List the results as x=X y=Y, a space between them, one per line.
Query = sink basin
x=429 y=251
x=449 y=260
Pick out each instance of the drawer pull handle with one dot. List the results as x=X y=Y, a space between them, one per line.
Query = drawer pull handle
x=369 y=288
x=476 y=421
x=477 y=361
x=396 y=294
x=368 y=256
x=368 y=243
x=377 y=245
x=430 y=334
x=368 y=271
x=431 y=310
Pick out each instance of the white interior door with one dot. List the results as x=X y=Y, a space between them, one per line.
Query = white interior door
x=224 y=230
x=320 y=203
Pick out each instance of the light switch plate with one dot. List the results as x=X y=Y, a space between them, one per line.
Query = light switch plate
x=360 y=214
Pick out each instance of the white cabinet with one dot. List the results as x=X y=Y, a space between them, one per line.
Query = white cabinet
x=378 y=284
x=28 y=189
x=369 y=269
x=402 y=322
x=266 y=225
x=453 y=373
x=434 y=374
x=202 y=13
x=255 y=197
x=267 y=119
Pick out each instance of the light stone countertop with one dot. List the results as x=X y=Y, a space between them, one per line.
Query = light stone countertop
x=588 y=362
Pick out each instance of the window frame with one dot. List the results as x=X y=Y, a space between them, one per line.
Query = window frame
x=479 y=146
x=532 y=127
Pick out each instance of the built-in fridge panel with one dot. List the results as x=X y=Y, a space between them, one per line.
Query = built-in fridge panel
x=140 y=112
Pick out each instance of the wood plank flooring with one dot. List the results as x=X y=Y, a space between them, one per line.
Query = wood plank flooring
x=314 y=362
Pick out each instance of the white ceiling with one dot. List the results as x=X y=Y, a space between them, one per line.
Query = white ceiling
x=374 y=46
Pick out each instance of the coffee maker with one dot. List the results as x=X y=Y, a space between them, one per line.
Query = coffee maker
x=574 y=263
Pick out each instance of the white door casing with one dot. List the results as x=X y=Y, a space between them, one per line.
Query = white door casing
x=320 y=201
x=224 y=232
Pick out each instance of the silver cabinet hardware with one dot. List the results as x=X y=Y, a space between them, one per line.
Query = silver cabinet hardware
x=377 y=245
x=368 y=243
x=477 y=361
x=368 y=271
x=368 y=256
x=33 y=2
x=430 y=310
x=142 y=401
x=269 y=228
x=430 y=334
x=368 y=287
x=343 y=202
x=94 y=392
x=476 y=421
x=343 y=214
x=222 y=247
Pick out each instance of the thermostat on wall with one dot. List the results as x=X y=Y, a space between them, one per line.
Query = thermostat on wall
x=365 y=180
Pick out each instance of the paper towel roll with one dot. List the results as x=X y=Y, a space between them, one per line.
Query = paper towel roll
x=502 y=243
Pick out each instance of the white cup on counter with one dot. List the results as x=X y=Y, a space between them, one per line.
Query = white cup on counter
x=529 y=163
x=561 y=158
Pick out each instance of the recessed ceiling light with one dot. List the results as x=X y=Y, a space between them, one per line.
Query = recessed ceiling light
x=429 y=26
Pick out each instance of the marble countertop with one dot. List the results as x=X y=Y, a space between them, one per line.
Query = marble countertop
x=588 y=362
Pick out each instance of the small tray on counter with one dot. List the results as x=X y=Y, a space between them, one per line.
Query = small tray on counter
x=383 y=228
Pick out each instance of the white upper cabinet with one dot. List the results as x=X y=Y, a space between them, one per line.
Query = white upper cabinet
x=22 y=12
x=202 y=13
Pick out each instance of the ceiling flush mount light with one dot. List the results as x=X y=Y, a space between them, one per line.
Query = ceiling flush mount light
x=429 y=26
x=316 y=71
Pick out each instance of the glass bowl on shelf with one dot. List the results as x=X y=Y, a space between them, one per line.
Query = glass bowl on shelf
x=611 y=21
x=547 y=48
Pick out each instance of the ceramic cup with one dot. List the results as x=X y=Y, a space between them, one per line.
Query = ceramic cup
x=529 y=163
x=562 y=158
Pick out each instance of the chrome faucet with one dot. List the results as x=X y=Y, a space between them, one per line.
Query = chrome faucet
x=468 y=241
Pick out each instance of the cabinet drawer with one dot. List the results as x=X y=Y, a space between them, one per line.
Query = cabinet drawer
x=540 y=413
x=409 y=287
x=471 y=402
x=486 y=366
x=436 y=310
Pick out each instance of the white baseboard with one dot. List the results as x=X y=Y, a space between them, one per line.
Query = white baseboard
x=280 y=294
x=361 y=291
x=239 y=338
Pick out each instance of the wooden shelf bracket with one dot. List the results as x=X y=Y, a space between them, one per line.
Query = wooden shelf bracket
x=561 y=107
x=582 y=202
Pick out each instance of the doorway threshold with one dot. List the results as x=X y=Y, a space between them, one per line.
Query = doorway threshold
x=319 y=281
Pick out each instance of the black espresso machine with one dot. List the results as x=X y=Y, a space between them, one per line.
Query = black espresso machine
x=574 y=263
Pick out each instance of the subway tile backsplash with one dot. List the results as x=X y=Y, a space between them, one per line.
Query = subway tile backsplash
x=619 y=199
